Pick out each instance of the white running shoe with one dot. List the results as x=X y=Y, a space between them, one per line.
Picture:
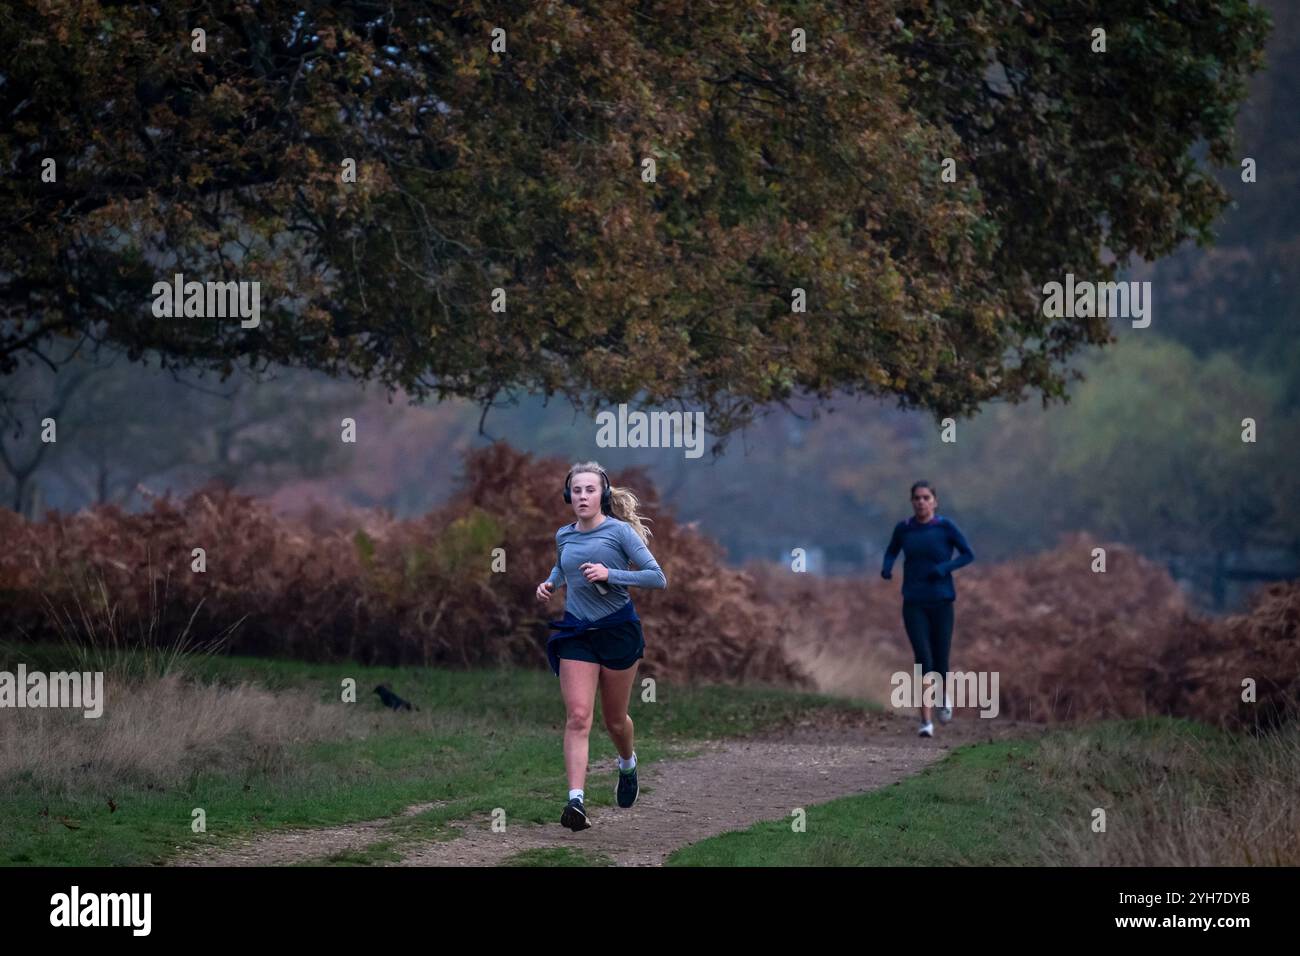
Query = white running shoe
x=945 y=714
x=927 y=729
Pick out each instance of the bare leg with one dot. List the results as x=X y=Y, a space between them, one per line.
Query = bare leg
x=578 y=685
x=615 y=692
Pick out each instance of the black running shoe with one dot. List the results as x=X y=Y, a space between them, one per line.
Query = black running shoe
x=627 y=790
x=575 y=816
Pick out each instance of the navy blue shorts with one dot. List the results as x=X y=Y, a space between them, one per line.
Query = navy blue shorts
x=617 y=647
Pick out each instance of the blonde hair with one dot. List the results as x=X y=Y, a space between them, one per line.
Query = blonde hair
x=621 y=499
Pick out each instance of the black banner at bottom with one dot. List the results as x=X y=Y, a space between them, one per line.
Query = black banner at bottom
x=374 y=904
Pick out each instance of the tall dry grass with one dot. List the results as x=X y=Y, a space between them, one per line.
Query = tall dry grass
x=860 y=672
x=159 y=727
x=161 y=732
x=1182 y=801
x=95 y=635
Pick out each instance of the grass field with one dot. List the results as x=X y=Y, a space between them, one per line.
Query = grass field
x=1175 y=793
x=262 y=744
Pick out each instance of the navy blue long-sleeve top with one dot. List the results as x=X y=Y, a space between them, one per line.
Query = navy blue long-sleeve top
x=928 y=562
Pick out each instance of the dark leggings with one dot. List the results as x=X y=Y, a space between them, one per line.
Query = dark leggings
x=929 y=628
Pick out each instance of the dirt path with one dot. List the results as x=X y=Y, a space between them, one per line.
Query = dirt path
x=729 y=786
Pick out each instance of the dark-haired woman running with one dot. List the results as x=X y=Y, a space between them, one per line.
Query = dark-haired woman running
x=927 y=541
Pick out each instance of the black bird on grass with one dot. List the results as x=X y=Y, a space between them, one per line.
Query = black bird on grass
x=392 y=700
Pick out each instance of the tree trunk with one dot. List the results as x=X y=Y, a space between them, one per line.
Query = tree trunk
x=1220 y=581
x=101 y=484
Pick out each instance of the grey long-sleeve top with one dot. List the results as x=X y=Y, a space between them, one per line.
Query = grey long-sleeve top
x=614 y=544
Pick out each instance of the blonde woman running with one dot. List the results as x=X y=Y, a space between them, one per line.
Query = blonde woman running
x=599 y=641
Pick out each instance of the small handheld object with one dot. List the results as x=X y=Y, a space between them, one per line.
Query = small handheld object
x=599 y=585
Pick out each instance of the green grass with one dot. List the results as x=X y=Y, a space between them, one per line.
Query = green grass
x=489 y=739
x=369 y=856
x=557 y=856
x=964 y=810
x=483 y=739
x=1015 y=803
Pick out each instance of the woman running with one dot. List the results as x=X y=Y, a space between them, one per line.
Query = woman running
x=927 y=540
x=599 y=641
